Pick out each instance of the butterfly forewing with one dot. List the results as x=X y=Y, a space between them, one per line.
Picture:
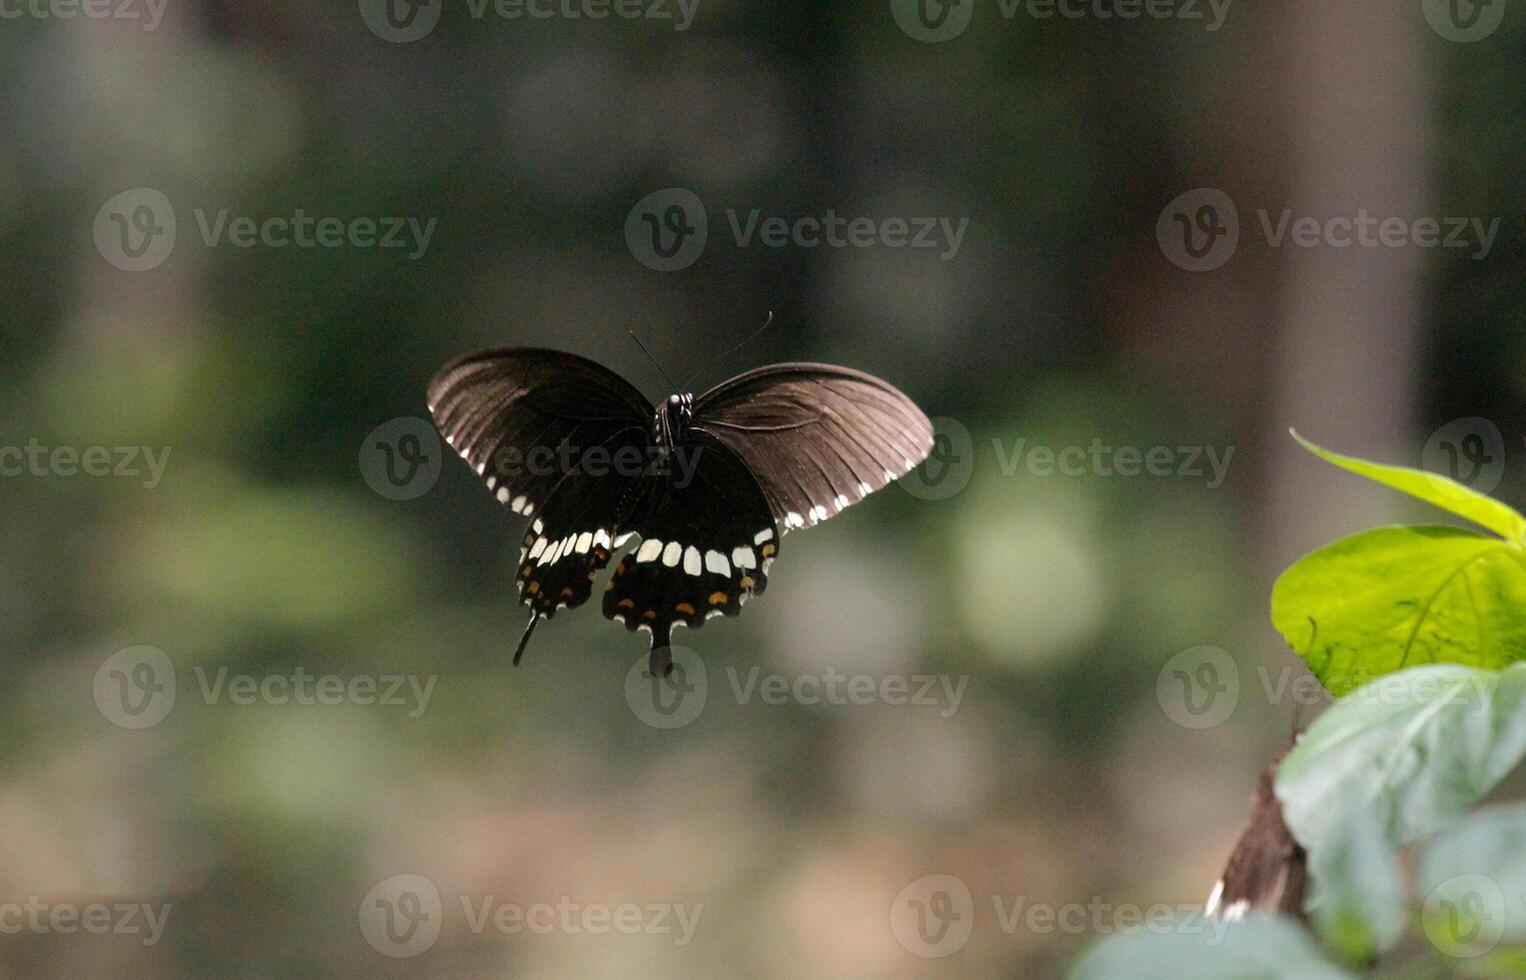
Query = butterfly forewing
x=818 y=438
x=525 y=420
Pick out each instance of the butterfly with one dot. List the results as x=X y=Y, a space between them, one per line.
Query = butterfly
x=1268 y=871
x=696 y=493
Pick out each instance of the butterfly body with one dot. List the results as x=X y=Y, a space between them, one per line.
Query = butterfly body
x=698 y=491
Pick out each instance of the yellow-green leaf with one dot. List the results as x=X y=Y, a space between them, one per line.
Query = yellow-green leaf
x=1434 y=488
x=1397 y=597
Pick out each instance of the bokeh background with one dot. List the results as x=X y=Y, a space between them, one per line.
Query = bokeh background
x=1068 y=776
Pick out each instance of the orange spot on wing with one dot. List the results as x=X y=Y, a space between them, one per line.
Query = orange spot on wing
x=684 y=608
x=717 y=598
x=626 y=604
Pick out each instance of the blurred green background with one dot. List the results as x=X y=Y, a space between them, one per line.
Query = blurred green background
x=1067 y=776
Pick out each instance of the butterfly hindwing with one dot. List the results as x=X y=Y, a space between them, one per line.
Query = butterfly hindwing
x=707 y=539
x=817 y=437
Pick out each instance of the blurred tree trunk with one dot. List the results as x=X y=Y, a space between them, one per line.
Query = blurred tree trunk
x=1344 y=368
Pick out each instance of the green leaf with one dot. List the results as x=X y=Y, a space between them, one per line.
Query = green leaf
x=1397 y=597
x=1433 y=488
x=1473 y=880
x=1420 y=748
x=1357 y=899
x=1195 y=949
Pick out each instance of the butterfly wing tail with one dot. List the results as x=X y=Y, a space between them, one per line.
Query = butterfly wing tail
x=660 y=663
x=524 y=640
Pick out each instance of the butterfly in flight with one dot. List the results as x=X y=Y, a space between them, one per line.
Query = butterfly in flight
x=697 y=492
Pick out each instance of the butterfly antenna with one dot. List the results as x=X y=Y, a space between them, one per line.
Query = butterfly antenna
x=750 y=338
x=649 y=357
x=524 y=641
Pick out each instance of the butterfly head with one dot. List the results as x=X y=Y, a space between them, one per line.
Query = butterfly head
x=672 y=419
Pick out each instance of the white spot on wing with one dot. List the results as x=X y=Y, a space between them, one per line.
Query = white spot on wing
x=620 y=541
x=1212 y=905
x=818 y=513
x=793 y=519
x=692 y=564
x=671 y=552
x=540 y=546
x=520 y=504
x=601 y=538
x=839 y=502
x=503 y=496
x=716 y=562
x=742 y=557
x=650 y=549
x=764 y=535
x=864 y=490
x=585 y=541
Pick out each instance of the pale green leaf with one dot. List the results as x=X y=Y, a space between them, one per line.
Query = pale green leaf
x=1199 y=949
x=1419 y=748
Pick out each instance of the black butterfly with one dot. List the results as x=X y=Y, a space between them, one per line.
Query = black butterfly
x=703 y=487
x=1268 y=871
